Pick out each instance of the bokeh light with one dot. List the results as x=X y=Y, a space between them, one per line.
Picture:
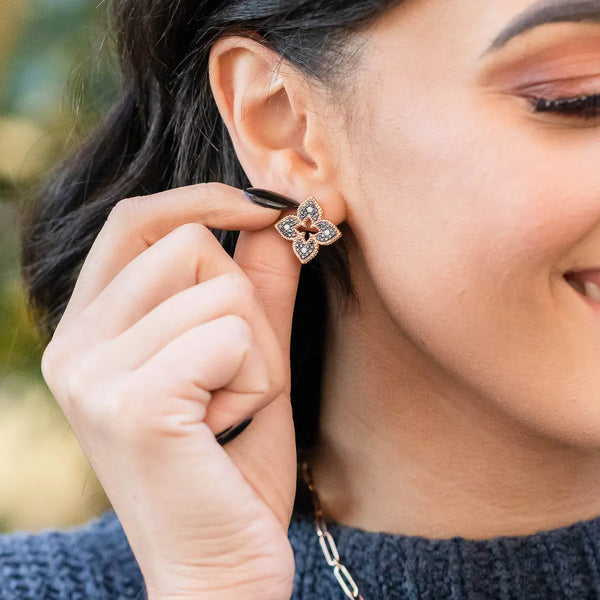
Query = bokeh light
x=56 y=78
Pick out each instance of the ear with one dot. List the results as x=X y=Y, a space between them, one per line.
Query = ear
x=276 y=121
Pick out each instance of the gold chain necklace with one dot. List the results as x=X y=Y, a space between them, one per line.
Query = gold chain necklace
x=327 y=544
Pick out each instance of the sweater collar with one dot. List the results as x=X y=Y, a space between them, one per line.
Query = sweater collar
x=557 y=563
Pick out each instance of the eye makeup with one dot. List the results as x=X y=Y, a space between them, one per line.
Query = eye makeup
x=557 y=74
x=560 y=53
x=585 y=107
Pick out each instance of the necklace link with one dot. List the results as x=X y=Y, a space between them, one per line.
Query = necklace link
x=327 y=543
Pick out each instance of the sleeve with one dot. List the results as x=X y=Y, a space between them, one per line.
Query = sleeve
x=90 y=562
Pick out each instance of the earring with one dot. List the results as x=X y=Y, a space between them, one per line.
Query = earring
x=307 y=230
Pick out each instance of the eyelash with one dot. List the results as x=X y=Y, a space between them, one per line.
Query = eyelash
x=583 y=107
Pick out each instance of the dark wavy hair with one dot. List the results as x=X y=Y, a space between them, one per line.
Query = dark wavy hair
x=165 y=131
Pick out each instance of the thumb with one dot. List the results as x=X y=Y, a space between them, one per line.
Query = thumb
x=269 y=262
x=273 y=269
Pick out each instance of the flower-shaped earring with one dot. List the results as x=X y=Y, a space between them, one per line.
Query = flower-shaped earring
x=307 y=230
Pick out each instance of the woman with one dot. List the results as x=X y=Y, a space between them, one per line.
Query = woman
x=443 y=375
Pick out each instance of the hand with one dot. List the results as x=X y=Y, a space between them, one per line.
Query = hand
x=165 y=342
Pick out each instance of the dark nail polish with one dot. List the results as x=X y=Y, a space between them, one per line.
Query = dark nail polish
x=232 y=432
x=270 y=199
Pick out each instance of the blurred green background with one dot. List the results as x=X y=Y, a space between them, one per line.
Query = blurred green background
x=56 y=78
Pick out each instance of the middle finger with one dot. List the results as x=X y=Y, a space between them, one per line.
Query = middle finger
x=227 y=294
x=184 y=257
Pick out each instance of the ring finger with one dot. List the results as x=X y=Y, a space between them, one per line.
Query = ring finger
x=175 y=385
x=227 y=294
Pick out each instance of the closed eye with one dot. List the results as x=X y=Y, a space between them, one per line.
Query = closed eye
x=583 y=107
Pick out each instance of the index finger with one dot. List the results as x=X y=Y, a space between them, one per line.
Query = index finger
x=134 y=224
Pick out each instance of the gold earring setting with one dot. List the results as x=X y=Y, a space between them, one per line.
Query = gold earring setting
x=307 y=230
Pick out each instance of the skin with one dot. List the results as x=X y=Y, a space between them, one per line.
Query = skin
x=146 y=383
x=462 y=396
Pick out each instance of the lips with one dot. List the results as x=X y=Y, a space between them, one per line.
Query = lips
x=586 y=282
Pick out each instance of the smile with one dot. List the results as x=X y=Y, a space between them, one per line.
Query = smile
x=586 y=283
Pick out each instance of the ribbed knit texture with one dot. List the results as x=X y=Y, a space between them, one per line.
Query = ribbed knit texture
x=90 y=562
x=95 y=562
x=560 y=564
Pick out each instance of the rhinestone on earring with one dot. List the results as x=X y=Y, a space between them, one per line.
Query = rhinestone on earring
x=307 y=230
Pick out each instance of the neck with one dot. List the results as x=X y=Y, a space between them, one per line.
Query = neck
x=405 y=448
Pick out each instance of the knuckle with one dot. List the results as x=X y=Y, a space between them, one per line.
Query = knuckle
x=86 y=376
x=129 y=416
x=123 y=209
x=277 y=384
x=111 y=411
x=119 y=411
x=76 y=382
x=239 y=287
x=208 y=188
x=191 y=234
x=237 y=330
x=275 y=379
x=202 y=189
x=265 y=386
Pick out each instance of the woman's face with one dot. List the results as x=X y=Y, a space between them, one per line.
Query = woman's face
x=469 y=208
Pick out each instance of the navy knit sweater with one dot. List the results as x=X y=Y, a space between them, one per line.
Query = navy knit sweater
x=94 y=561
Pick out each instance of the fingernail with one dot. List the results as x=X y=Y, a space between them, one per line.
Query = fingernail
x=270 y=199
x=231 y=432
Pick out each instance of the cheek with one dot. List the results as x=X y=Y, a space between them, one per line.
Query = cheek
x=464 y=227
x=466 y=189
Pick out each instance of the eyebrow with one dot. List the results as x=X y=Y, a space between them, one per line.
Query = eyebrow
x=544 y=12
